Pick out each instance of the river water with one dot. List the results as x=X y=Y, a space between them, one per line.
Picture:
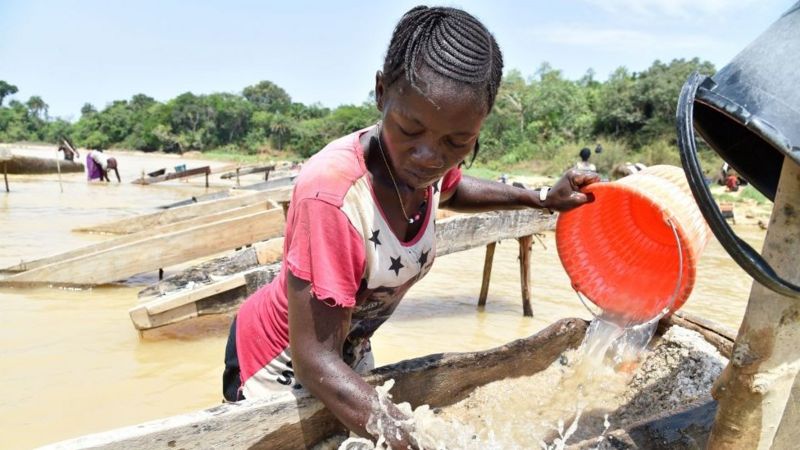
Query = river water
x=71 y=362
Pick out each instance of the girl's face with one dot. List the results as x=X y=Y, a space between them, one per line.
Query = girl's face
x=424 y=136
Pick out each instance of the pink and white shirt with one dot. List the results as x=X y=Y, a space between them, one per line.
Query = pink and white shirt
x=337 y=238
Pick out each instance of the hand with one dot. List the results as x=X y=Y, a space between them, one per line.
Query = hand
x=566 y=194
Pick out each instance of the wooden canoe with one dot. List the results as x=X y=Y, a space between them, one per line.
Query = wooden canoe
x=220 y=286
x=295 y=420
x=23 y=165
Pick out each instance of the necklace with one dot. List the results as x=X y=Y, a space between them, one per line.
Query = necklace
x=396 y=189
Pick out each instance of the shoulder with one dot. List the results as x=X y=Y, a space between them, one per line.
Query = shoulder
x=329 y=174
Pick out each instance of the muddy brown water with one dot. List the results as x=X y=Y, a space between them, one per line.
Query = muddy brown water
x=71 y=362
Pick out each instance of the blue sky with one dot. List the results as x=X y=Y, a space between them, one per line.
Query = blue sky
x=72 y=52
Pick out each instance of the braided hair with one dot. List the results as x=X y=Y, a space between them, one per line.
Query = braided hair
x=452 y=43
x=449 y=41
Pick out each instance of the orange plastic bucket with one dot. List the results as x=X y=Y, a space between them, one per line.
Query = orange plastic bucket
x=625 y=250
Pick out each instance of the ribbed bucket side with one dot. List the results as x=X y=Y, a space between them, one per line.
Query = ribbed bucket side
x=620 y=250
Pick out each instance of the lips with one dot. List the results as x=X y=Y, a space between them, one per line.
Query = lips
x=422 y=178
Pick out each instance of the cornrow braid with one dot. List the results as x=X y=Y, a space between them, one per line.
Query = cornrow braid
x=451 y=42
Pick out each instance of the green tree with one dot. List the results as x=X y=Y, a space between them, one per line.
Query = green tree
x=6 y=89
x=268 y=96
x=37 y=107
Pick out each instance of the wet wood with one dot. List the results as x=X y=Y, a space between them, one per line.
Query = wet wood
x=487 y=274
x=295 y=420
x=123 y=261
x=27 y=165
x=525 y=244
x=216 y=297
x=755 y=389
x=240 y=171
x=205 y=170
x=148 y=221
x=147 y=233
x=453 y=234
x=720 y=336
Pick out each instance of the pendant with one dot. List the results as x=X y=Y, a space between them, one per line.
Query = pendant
x=411 y=220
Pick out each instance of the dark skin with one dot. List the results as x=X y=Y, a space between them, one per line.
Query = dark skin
x=423 y=134
x=112 y=165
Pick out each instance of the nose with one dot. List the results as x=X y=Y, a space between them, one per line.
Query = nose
x=429 y=157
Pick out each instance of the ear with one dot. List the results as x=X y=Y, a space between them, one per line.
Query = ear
x=380 y=90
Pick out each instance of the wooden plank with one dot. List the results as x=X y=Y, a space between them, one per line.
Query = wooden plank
x=295 y=420
x=247 y=171
x=123 y=261
x=147 y=221
x=141 y=235
x=456 y=230
x=205 y=170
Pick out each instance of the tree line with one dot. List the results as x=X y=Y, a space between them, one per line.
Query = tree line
x=544 y=117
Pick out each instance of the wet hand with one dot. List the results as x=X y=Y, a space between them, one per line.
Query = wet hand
x=566 y=193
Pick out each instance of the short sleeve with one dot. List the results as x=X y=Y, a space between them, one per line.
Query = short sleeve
x=450 y=180
x=324 y=249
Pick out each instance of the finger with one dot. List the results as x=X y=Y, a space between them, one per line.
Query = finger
x=584 y=178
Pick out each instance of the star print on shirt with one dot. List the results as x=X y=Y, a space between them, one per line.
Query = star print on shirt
x=423 y=258
x=396 y=265
x=375 y=239
x=436 y=187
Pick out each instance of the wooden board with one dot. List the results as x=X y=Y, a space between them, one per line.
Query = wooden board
x=211 y=298
x=456 y=233
x=205 y=170
x=247 y=171
x=295 y=420
x=142 y=235
x=123 y=261
x=147 y=221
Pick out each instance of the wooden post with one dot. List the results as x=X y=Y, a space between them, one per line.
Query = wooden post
x=754 y=391
x=487 y=274
x=5 y=174
x=237 y=177
x=525 y=244
x=207 y=179
x=58 y=167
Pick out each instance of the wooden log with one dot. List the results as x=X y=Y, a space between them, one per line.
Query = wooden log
x=452 y=234
x=100 y=247
x=205 y=170
x=122 y=261
x=487 y=274
x=755 y=388
x=27 y=165
x=148 y=221
x=295 y=420
x=525 y=244
x=720 y=336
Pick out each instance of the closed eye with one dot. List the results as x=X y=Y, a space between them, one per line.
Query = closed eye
x=410 y=133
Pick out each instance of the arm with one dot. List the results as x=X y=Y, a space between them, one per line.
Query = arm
x=476 y=195
x=316 y=335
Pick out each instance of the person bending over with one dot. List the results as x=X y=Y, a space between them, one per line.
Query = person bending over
x=360 y=225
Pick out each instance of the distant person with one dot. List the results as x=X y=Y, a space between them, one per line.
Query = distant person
x=598 y=148
x=98 y=164
x=503 y=178
x=70 y=154
x=732 y=181
x=584 y=163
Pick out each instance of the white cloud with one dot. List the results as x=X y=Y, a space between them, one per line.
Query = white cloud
x=671 y=8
